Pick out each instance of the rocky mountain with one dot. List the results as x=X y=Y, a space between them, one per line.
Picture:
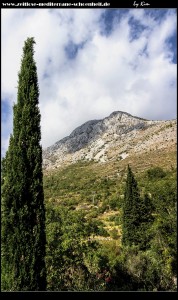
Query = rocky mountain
x=115 y=137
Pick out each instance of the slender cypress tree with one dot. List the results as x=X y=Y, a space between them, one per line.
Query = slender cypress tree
x=131 y=213
x=23 y=211
x=137 y=214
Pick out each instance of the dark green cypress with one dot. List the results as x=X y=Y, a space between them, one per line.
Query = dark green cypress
x=137 y=215
x=23 y=211
x=131 y=213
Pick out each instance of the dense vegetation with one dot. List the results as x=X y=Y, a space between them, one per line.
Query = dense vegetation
x=23 y=213
x=87 y=216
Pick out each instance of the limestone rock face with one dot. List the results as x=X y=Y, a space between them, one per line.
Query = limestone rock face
x=114 y=137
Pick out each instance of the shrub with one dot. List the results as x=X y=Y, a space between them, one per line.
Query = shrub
x=155 y=173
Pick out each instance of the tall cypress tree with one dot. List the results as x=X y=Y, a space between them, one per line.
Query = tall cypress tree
x=137 y=214
x=23 y=211
x=130 y=210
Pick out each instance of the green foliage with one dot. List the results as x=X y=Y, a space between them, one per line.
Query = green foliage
x=158 y=252
x=147 y=270
x=72 y=258
x=131 y=211
x=148 y=264
x=117 y=219
x=23 y=212
x=164 y=229
x=156 y=172
x=114 y=233
x=137 y=215
x=114 y=203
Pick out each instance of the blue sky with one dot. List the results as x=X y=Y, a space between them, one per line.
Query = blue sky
x=90 y=63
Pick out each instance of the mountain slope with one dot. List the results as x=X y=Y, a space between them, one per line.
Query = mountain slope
x=116 y=137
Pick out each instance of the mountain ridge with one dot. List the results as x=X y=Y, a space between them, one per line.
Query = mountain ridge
x=116 y=136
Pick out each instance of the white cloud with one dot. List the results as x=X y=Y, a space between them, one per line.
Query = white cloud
x=108 y=73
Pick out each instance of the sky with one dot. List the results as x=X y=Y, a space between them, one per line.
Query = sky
x=91 y=62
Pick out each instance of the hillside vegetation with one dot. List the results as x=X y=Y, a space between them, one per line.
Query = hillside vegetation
x=84 y=205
